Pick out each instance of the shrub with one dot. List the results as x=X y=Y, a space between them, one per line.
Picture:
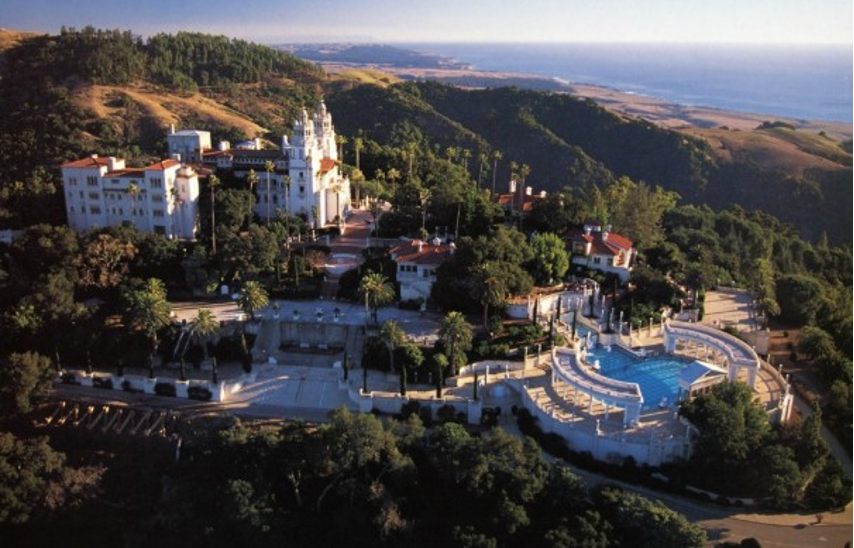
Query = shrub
x=69 y=378
x=164 y=389
x=199 y=393
x=411 y=304
x=446 y=413
x=128 y=387
x=426 y=417
x=102 y=382
x=412 y=407
x=488 y=418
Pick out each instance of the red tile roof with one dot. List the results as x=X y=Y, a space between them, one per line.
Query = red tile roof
x=526 y=200
x=88 y=162
x=430 y=254
x=326 y=164
x=162 y=164
x=130 y=172
x=612 y=245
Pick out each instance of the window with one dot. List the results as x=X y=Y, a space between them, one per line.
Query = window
x=157 y=212
x=72 y=181
x=597 y=260
x=91 y=180
x=115 y=181
x=94 y=196
x=81 y=194
x=302 y=189
x=95 y=210
x=159 y=229
x=156 y=182
x=156 y=198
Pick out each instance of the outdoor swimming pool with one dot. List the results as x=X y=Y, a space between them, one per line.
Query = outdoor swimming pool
x=658 y=377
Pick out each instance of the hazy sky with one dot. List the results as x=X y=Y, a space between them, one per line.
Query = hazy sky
x=754 y=21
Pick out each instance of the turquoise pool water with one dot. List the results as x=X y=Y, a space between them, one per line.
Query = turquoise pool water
x=658 y=377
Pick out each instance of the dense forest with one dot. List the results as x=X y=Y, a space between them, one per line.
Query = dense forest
x=362 y=481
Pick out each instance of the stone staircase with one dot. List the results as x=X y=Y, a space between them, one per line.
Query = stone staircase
x=268 y=340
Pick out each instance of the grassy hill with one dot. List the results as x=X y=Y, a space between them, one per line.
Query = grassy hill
x=790 y=150
x=111 y=92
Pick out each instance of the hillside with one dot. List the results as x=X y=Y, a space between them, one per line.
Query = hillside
x=114 y=93
x=573 y=142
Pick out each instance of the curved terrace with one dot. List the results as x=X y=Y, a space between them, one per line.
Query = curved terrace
x=571 y=370
x=739 y=355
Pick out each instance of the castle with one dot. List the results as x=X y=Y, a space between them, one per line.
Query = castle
x=304 y=174
x=302 y=177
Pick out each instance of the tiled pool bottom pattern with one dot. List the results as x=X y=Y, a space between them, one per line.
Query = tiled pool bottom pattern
x=658 y=377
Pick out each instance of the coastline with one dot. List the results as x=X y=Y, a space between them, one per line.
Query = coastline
x=662 y=112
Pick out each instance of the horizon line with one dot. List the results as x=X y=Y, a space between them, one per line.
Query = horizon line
x=269 y=41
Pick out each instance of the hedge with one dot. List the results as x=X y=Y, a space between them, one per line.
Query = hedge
x=164 y=389
x=199 y=393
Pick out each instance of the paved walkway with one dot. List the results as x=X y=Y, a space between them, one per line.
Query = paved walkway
x=346 y=250
x=730 y=307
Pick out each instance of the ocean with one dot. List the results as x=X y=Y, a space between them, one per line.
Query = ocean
x=803 y=82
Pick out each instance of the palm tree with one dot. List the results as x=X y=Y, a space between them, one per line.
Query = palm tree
x=286 y=180
x=466 y=155
x=252 y=298
x=424 y=198
x=496 y=156
x=490 y=289
x=268 y=167
x=133 y=191
x=147 y=310
x=482 y=160
x=357 y=146
x=452 y=153
x=441 y=362
x=205 y=325
x=524 y=171
x=376 y=291
x=514 y=170
x=376 y=210
x=393 y=176
x=252 y=179
x=393 y=336
x=213 y=182
x=455 y=332
x=411 y=149
x=340 y=140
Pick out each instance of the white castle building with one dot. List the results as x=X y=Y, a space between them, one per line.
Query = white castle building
x=305 y=177
x=162 y=197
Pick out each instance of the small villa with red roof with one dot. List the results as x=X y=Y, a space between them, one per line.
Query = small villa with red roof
x=417 y=262
x=602 y=250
